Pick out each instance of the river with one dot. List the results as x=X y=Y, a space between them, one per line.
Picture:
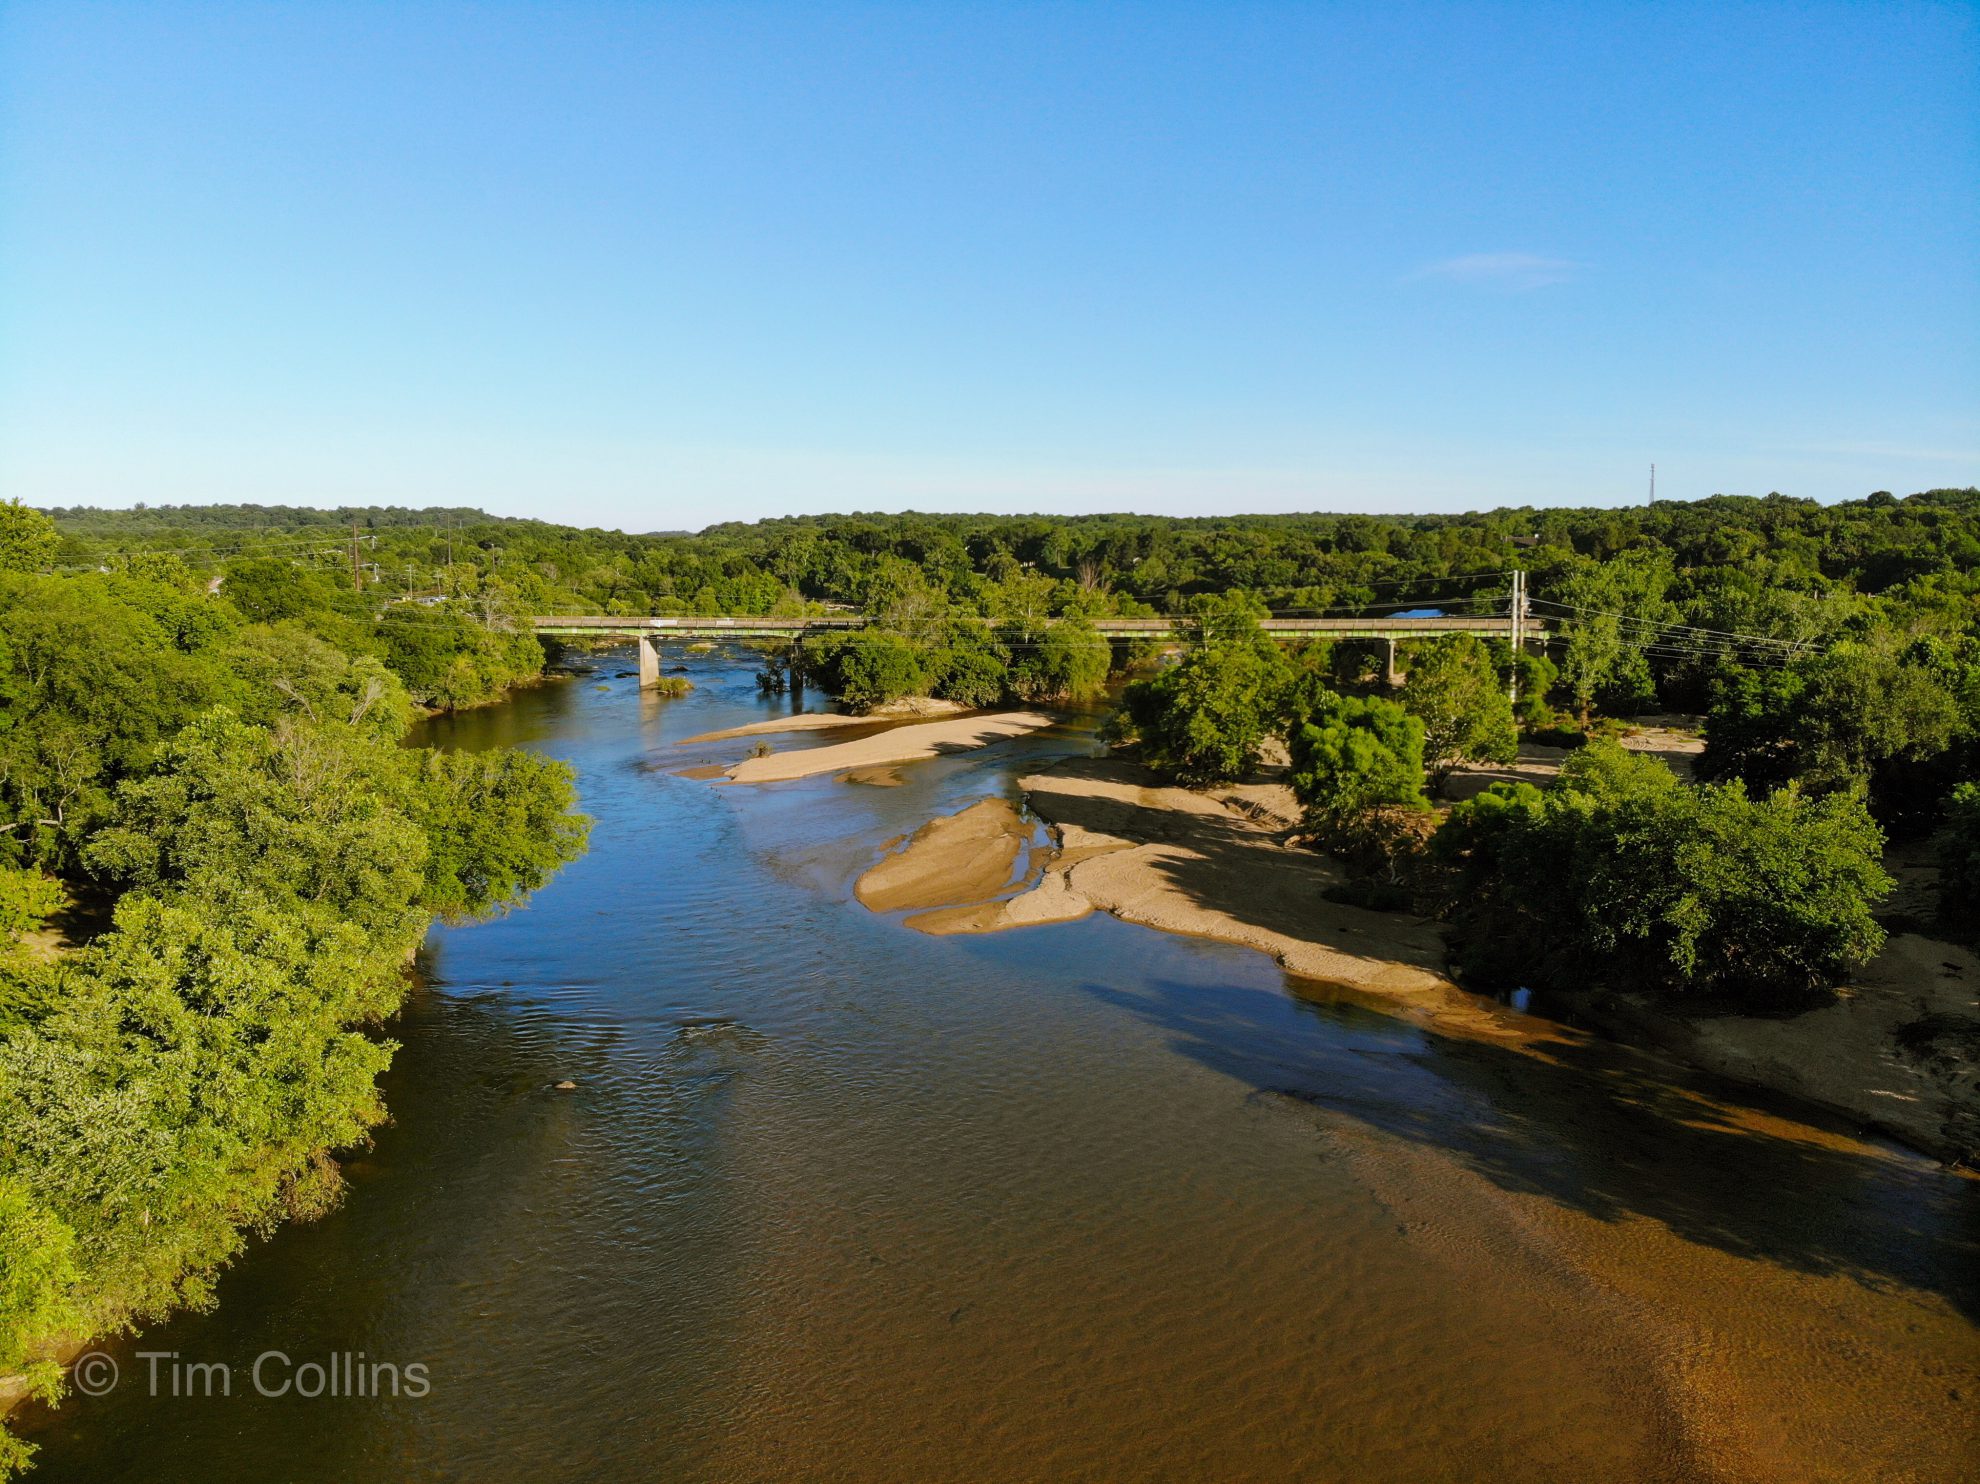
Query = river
x=836 y=1200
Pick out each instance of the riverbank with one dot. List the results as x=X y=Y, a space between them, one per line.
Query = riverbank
x=911 y=708
x=908 y=743
x=1211 y=865
x=1897 y=1050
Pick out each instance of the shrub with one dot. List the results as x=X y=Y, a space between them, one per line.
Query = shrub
x=1959 y=860
x=1621 y=873
x=1358 y=753
x=1205 y=719
x=1460 y=698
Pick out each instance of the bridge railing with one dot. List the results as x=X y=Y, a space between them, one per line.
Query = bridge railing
x=839 y=622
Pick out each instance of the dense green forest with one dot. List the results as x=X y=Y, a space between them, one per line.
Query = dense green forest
x=1659 y=600
x=202 y=776
x=217 y=857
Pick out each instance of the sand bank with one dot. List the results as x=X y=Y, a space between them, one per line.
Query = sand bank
x=902 y=744
x=1209 y=865
x=810 y=721
x=1674 y=740
x=958 y=858
x=910 y=708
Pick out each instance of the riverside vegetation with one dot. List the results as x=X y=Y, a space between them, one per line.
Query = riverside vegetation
x=220 y=773
x=1834 y=649
x=211 y=791
x=1617 y=872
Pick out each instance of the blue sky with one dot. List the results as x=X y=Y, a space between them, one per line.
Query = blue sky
x=655 y=265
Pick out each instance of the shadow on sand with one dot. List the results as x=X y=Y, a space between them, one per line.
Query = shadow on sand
x=1597 y=1128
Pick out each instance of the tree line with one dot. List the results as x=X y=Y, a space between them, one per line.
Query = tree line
x=1757 y=886
x=210 y=789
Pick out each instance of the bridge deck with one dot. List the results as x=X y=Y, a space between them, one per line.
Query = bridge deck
x=742 y=627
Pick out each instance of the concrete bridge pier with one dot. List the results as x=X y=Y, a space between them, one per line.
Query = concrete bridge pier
x=649 y=664
x=1391 y=676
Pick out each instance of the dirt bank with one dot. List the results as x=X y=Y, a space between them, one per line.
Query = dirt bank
x=1676 y=740
x=901 y=744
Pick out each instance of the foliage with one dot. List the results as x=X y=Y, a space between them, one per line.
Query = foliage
x=1856 y=715
x=28 y=538
x=1460 y=697
x=1069 y=663
x=451 y=656
x=28 y=898
x=1534 y=675
x=1608 y=607
x=969 y=677
x=37 y=1276
x=1205 y=719
x=235 y=775
x=1959 y=861
x=868 y=668
x=497 y=825
x=1355 y=754
x=284 y=670
x=1619 y=873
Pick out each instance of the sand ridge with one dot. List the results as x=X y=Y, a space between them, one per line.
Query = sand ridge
x=913 y=742
x=1188 y=862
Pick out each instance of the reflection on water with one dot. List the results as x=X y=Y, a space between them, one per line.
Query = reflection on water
x=834 y=1199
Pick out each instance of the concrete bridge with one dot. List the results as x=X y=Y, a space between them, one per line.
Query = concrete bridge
x=646 y=631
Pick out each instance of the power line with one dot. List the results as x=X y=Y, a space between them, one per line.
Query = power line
x=1664 y=627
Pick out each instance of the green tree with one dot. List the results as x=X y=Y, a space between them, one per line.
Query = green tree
x=27 y=538
x=1829 y=721
x=497 y=826
x=1620 y=873
x=1205 y=719
x=870 y=668
x=967 y=676
x=1069 y=663
x=1355 y=754
x=1460 y=698
x=1607 y=611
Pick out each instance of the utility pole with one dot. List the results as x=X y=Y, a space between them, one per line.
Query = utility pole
x=1518 y=613
x=357 y=567
x=1653 y=484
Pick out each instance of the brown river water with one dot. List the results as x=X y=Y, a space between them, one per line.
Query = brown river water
x=835 y=1200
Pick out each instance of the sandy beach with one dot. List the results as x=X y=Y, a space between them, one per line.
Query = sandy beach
x=911 y=742
x=1183 y=862
x=810 y=721
x=911 y=708
x=961 y=857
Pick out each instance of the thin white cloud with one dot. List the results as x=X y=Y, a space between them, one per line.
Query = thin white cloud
x=1508 y=272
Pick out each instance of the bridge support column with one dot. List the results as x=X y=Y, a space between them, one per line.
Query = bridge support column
x=649 y=664
x=1391 y=676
